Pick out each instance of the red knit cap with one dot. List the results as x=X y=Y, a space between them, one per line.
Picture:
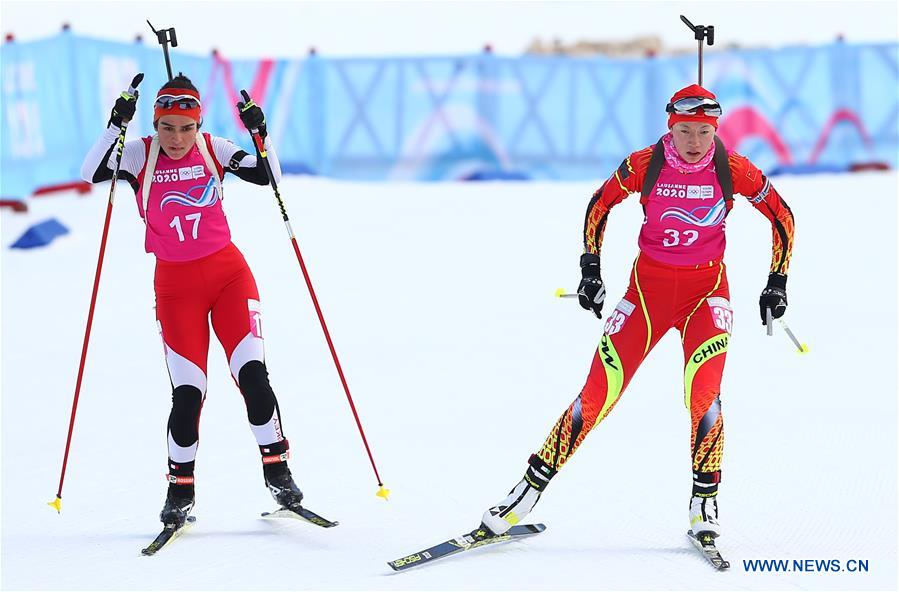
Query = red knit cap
x=694 y=90
x=174 y=108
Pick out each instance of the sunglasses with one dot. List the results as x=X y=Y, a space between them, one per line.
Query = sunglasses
x=689 y=106
x=181 y=101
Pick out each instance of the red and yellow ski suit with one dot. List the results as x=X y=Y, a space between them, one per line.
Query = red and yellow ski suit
x=678 y=280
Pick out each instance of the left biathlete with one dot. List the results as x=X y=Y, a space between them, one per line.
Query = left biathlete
x=176 y=175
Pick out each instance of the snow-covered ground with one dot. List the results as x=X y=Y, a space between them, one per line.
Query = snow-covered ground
x=440 y=302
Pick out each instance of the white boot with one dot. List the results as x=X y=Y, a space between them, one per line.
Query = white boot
x=510 y=511
x=704 y=515
x=521 y=500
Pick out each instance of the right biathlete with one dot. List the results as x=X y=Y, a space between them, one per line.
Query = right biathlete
x=687 y=181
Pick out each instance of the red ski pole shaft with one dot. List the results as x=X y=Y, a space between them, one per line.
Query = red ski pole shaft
x=120 y=145
x=260 y=147
x=321 y=320
x=87 y=334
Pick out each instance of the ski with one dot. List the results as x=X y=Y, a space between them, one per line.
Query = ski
x=168 y=534
x=466 y=542
x=301 y=514
x=706 y=545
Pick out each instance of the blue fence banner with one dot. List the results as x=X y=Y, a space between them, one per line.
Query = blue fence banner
x=481 y=116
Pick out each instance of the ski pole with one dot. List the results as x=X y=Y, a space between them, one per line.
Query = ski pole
x=561 y=293
x=120 y=146
x=769 y=326
x=259 y=143
x=802 y=347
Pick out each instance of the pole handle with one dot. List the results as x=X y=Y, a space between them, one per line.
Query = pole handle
x=135 y=82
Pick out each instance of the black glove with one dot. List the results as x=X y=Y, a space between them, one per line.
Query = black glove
x=774 y=296
x=124 y=109
x=251 y=115
x=591 y=293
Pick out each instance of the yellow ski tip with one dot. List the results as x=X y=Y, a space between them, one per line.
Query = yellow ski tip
x=383 y=492
x=559 y=292
x=56 y=505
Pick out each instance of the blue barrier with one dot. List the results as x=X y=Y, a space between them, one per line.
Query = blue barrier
x=827 y=107
x=40 y=234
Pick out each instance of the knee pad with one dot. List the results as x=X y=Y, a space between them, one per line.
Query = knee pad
x=257 y=392
x=187 y=401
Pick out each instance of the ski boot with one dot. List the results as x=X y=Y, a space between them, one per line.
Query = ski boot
x=704 y=504
x=277 y=476
x=179 y=499
x=521 y=500
x=704 y=516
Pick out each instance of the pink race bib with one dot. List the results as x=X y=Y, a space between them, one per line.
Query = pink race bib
x=684 y=222
x=185 y=219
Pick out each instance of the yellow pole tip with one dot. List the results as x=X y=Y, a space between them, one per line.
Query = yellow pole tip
x=804 y=348
x=56 y=505
x=559 y=292
x=383 y=492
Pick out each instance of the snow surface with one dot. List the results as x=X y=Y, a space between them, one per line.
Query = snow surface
x=439 y=300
